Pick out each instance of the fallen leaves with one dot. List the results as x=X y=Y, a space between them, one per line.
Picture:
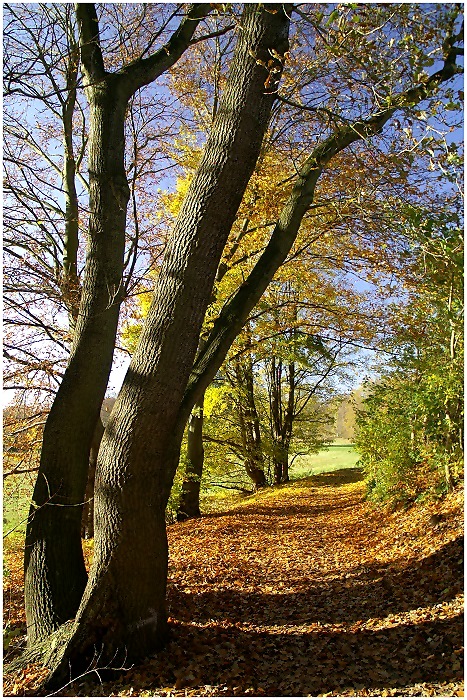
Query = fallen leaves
x=306 y=590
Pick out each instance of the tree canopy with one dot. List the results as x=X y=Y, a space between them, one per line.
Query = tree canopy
x=241 y=197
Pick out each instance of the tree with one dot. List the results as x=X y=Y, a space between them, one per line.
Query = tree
x=55 y=576
x=41 y=233
x=409 y=430
x=248 y=417
x=140 y=447
x=169 y=341
x=188 y=506
x=204 y=105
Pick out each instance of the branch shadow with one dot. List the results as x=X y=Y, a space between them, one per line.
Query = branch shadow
x=338 y=477
x=329 y=479
x=368 y=592
x=337 y=654
x=320 y=662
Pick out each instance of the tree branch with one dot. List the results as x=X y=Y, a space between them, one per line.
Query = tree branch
x=235 y=312
x=91 y=54
x=144 y=70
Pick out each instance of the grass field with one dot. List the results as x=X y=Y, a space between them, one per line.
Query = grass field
x=340 y=455
x=17 y=496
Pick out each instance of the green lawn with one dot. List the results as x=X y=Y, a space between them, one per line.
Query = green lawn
x=340 y=455
x=16 y=503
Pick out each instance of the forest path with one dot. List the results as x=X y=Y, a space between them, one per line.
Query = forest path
x=305 y=590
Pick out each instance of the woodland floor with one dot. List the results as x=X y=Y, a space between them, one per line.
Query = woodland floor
x=302 y=590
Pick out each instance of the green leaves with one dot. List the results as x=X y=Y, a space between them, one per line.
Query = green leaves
x=332 y=17
x=409 y=433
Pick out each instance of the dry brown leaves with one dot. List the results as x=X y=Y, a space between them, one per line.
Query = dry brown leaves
x=305 y=590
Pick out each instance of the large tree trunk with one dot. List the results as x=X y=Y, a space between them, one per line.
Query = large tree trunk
x=189 y=500
x=55 y=576
x=123 y=608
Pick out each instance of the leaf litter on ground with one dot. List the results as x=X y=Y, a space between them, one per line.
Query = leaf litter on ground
x=300 y=590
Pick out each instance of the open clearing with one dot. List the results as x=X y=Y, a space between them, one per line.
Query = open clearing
x=340 y=455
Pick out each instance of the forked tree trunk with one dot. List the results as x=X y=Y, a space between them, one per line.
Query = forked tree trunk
x=123 y=607
x=189 y=506
x=55 y=576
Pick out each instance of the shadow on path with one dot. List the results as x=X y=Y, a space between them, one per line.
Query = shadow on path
x=270 y=509
x=371 y=592
x=319 y=662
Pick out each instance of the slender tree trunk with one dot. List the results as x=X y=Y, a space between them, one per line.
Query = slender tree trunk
x=123 y=608
x=70 y=285
x=275 y=405
x=281 y=418
x=287 y=427
x=249 y=422
x=55 y=575
x=189 y=506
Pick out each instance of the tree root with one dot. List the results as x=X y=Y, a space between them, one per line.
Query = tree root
x=44 y=652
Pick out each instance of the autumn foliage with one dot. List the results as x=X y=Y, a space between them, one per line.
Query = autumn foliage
x=303 y=590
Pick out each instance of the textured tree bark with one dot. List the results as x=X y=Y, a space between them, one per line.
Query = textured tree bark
x=189 y=506
x=87 y=520
x=249 y=422
x=123 y=607
x=53 y=556
x=55 y=576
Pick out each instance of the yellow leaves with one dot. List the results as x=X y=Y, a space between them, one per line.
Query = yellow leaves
x=214 y=398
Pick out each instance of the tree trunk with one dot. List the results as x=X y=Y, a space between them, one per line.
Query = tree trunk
x=249 y=421
x=275 y=408
x=55 y=576
x=287 y=428
x=282 y=417
x=189 y=500
x=69 y=283
x=277 y=472
x=281 y=469
x=123 y=608
x=256 y=473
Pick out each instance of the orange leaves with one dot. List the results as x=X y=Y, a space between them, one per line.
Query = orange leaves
x=25 y=680
x=307 y=590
